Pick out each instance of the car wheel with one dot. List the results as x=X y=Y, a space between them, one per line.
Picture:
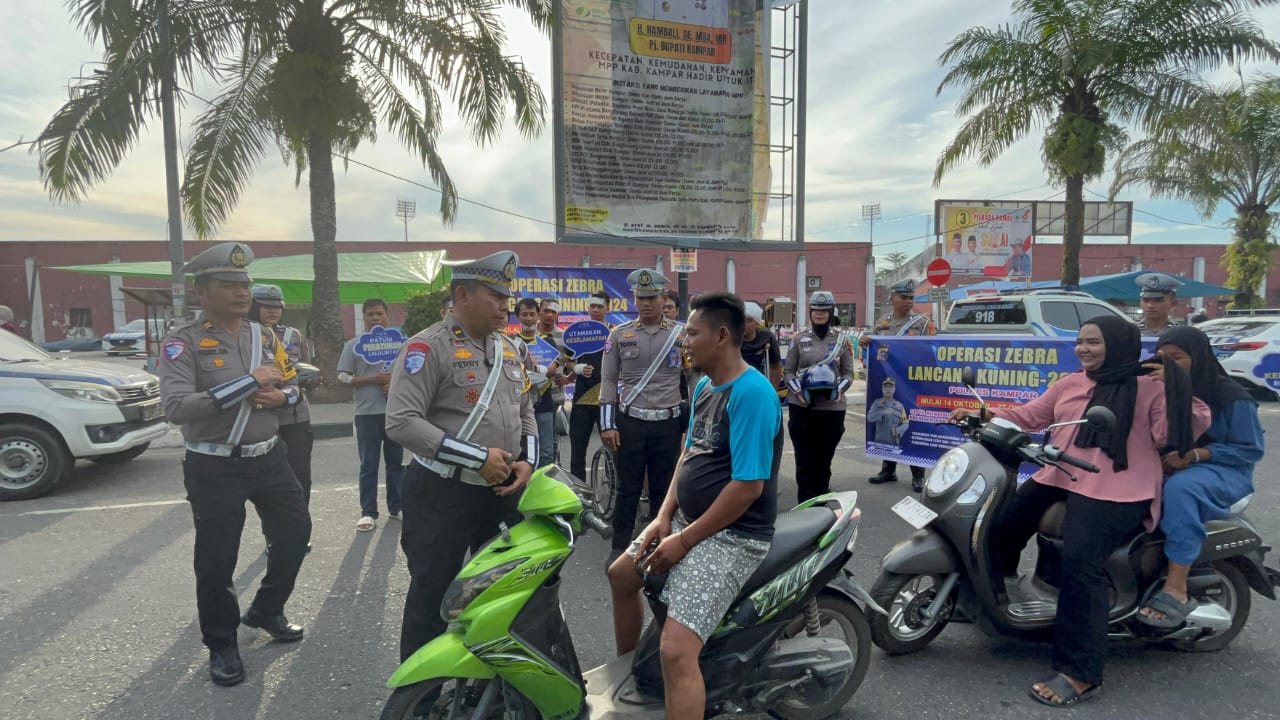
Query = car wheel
x=32 y=461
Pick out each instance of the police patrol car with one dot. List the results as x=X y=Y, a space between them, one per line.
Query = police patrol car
x=1051 y=313
x=55 y=411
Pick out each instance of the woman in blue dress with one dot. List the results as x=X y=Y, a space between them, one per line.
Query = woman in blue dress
x=1202 y=484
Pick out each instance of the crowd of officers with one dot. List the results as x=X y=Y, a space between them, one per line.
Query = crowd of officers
x=474 y=411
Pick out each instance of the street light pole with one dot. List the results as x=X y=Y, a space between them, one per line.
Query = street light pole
x=871 y=213
x=169 y=120
x=406 y=210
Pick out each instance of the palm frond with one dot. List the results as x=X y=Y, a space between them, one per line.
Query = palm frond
x=229 y=138
x=986 y=135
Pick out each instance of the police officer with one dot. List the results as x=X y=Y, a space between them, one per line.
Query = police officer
x=223 y=381
x=888 y=415
x=817 y=373
x=640 y=402
x=902 y=321
x=469 y=464
x=1157 y=293
x=295 y=420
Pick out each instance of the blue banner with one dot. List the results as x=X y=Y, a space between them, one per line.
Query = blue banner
x=585 y=336
x=380 y=345
x=903 y=416
x=573 y=286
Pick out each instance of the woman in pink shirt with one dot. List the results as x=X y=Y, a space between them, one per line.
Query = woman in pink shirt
x=1104 y=509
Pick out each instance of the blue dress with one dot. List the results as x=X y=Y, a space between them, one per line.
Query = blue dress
x=1206 y=491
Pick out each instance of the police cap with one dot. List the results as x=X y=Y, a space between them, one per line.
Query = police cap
x=1157 y=285
x=268 y=295
x=906 y=287
x=647 y=283
x=496 y=272
x=224 y=261
x=822 y=300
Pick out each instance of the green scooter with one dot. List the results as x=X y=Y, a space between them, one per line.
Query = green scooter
x=795 y=645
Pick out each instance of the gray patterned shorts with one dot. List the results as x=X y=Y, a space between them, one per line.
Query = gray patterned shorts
x=701 y=588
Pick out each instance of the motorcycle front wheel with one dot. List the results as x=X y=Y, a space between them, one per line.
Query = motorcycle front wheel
x=835 y=615
x=905 y=597
x=458 y=697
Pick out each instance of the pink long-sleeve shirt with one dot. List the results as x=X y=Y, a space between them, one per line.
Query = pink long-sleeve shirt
x=1066 y=400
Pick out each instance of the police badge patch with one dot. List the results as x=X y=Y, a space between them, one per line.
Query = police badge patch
x=415 y=357
x=173 y=349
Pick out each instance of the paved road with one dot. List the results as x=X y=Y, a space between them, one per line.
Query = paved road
x=97 y=617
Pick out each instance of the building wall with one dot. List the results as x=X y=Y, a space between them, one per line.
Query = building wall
x=757 y=274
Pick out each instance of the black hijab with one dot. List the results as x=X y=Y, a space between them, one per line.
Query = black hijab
x=1209 y=381
x=1117 y=390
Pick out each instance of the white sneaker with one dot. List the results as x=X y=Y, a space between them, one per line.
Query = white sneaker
x=365 y=524
x=393 y=516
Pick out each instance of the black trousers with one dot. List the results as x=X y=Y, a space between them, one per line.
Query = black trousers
x=582 y=420
x=651 y=446
x=1091 y=530
x=217 y=489
x=298 y=441
x=814 y=437
x=443 y=519
x=891 y=468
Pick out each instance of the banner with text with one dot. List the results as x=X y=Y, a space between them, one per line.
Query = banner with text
x=658 y=117
x=1011 y=371
x=989 y=241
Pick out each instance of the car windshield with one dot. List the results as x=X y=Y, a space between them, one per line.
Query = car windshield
x=134 y=326
x=15 y=349
x=1236 y=328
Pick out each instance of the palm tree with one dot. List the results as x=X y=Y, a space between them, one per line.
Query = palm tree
x=1223 y=147
x=1080 y=69
x=316 y=77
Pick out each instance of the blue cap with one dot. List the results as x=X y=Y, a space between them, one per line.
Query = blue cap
x=1156 y=285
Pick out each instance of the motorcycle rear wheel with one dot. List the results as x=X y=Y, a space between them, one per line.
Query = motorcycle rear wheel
x=857 y=634
x=905 y=630
x=436 y=698
x=1232 y=593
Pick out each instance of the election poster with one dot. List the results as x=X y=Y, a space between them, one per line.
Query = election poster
x=658 y=112
x=913 y=384
x=988 y=241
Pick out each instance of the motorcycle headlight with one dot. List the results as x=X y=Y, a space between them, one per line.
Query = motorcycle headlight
x=948 y=471
x=86 y=391
x=462 y=591
x=973 y=493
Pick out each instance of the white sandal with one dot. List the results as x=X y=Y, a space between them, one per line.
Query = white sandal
x=365 y=524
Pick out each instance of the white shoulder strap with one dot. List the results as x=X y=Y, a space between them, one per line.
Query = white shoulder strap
x=653 y=368
x=255 y=359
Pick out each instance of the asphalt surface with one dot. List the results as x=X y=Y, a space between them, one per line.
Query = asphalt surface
x=97 y=614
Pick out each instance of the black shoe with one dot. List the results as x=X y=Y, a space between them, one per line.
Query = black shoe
x=881 y=478
x=225 y=667
x=917 y=484
x=277 y=627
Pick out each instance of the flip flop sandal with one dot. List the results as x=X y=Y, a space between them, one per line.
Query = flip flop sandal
x=366 y=524
x=1067 y=695
x=1175 y=613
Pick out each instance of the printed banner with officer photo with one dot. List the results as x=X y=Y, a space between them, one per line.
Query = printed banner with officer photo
x=988 y=241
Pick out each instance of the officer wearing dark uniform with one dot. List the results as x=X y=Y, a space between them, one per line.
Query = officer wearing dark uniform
x=295 y=420
x=469 y=463
x=817 y=373
x=902 y=321
x=223 y=379
x=1157 y=292
x=640 y=402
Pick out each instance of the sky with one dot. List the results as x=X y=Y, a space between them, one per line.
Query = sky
x=875 y=129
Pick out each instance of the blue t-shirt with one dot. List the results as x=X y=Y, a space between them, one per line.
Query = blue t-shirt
x=735 y=433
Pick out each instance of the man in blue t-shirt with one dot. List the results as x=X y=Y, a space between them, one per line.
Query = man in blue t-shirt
x=716 y=524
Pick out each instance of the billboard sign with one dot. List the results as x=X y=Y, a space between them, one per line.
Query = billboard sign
x=988 y=241
x=657 y=104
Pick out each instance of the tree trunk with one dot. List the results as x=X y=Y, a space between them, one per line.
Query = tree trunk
x=1248 y=257
x=1073 y=234
x=326 y=310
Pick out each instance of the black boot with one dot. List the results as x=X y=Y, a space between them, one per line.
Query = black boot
x=917 y=479
x=225 y=667
x=882 y=477
x=278 y=626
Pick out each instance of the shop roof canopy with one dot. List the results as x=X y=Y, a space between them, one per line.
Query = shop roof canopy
x=387 y=275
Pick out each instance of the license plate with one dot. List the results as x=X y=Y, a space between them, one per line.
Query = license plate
x=914 y=512
x=151 y=412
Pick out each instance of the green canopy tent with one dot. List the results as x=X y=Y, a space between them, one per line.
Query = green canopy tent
x=392 y=276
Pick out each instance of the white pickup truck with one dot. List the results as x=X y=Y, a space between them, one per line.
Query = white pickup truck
x=54 y=411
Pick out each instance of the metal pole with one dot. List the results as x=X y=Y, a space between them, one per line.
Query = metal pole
x=169 y=119
x=802 y=75
x=682 y=286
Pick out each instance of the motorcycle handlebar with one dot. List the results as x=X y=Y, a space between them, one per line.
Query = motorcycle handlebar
x=595 y=523
x=1059 y=456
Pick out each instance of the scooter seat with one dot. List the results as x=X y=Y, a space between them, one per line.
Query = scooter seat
x=1051 y=521
x=794 y=535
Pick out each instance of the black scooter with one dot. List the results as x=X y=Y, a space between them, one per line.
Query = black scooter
x=947 y=569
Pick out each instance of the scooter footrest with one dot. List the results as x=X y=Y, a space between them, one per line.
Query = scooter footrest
x=1033 y=609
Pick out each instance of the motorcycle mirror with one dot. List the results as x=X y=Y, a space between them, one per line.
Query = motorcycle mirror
x=968 y=377
x=1100 y=419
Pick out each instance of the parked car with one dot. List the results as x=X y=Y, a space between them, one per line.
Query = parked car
x=1241 y=343
x=53 y=412
x=1050 y=313
x=132 y=338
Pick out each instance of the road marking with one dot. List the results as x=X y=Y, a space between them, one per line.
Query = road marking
x=128 y=506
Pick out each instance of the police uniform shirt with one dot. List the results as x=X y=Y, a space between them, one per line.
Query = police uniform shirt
x=889 y=417
x=204 y=376
x=629 y=352
x=1154 y=332
x=890 y=325
x=295 y=349
x=436 y=382
x=807 y=350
